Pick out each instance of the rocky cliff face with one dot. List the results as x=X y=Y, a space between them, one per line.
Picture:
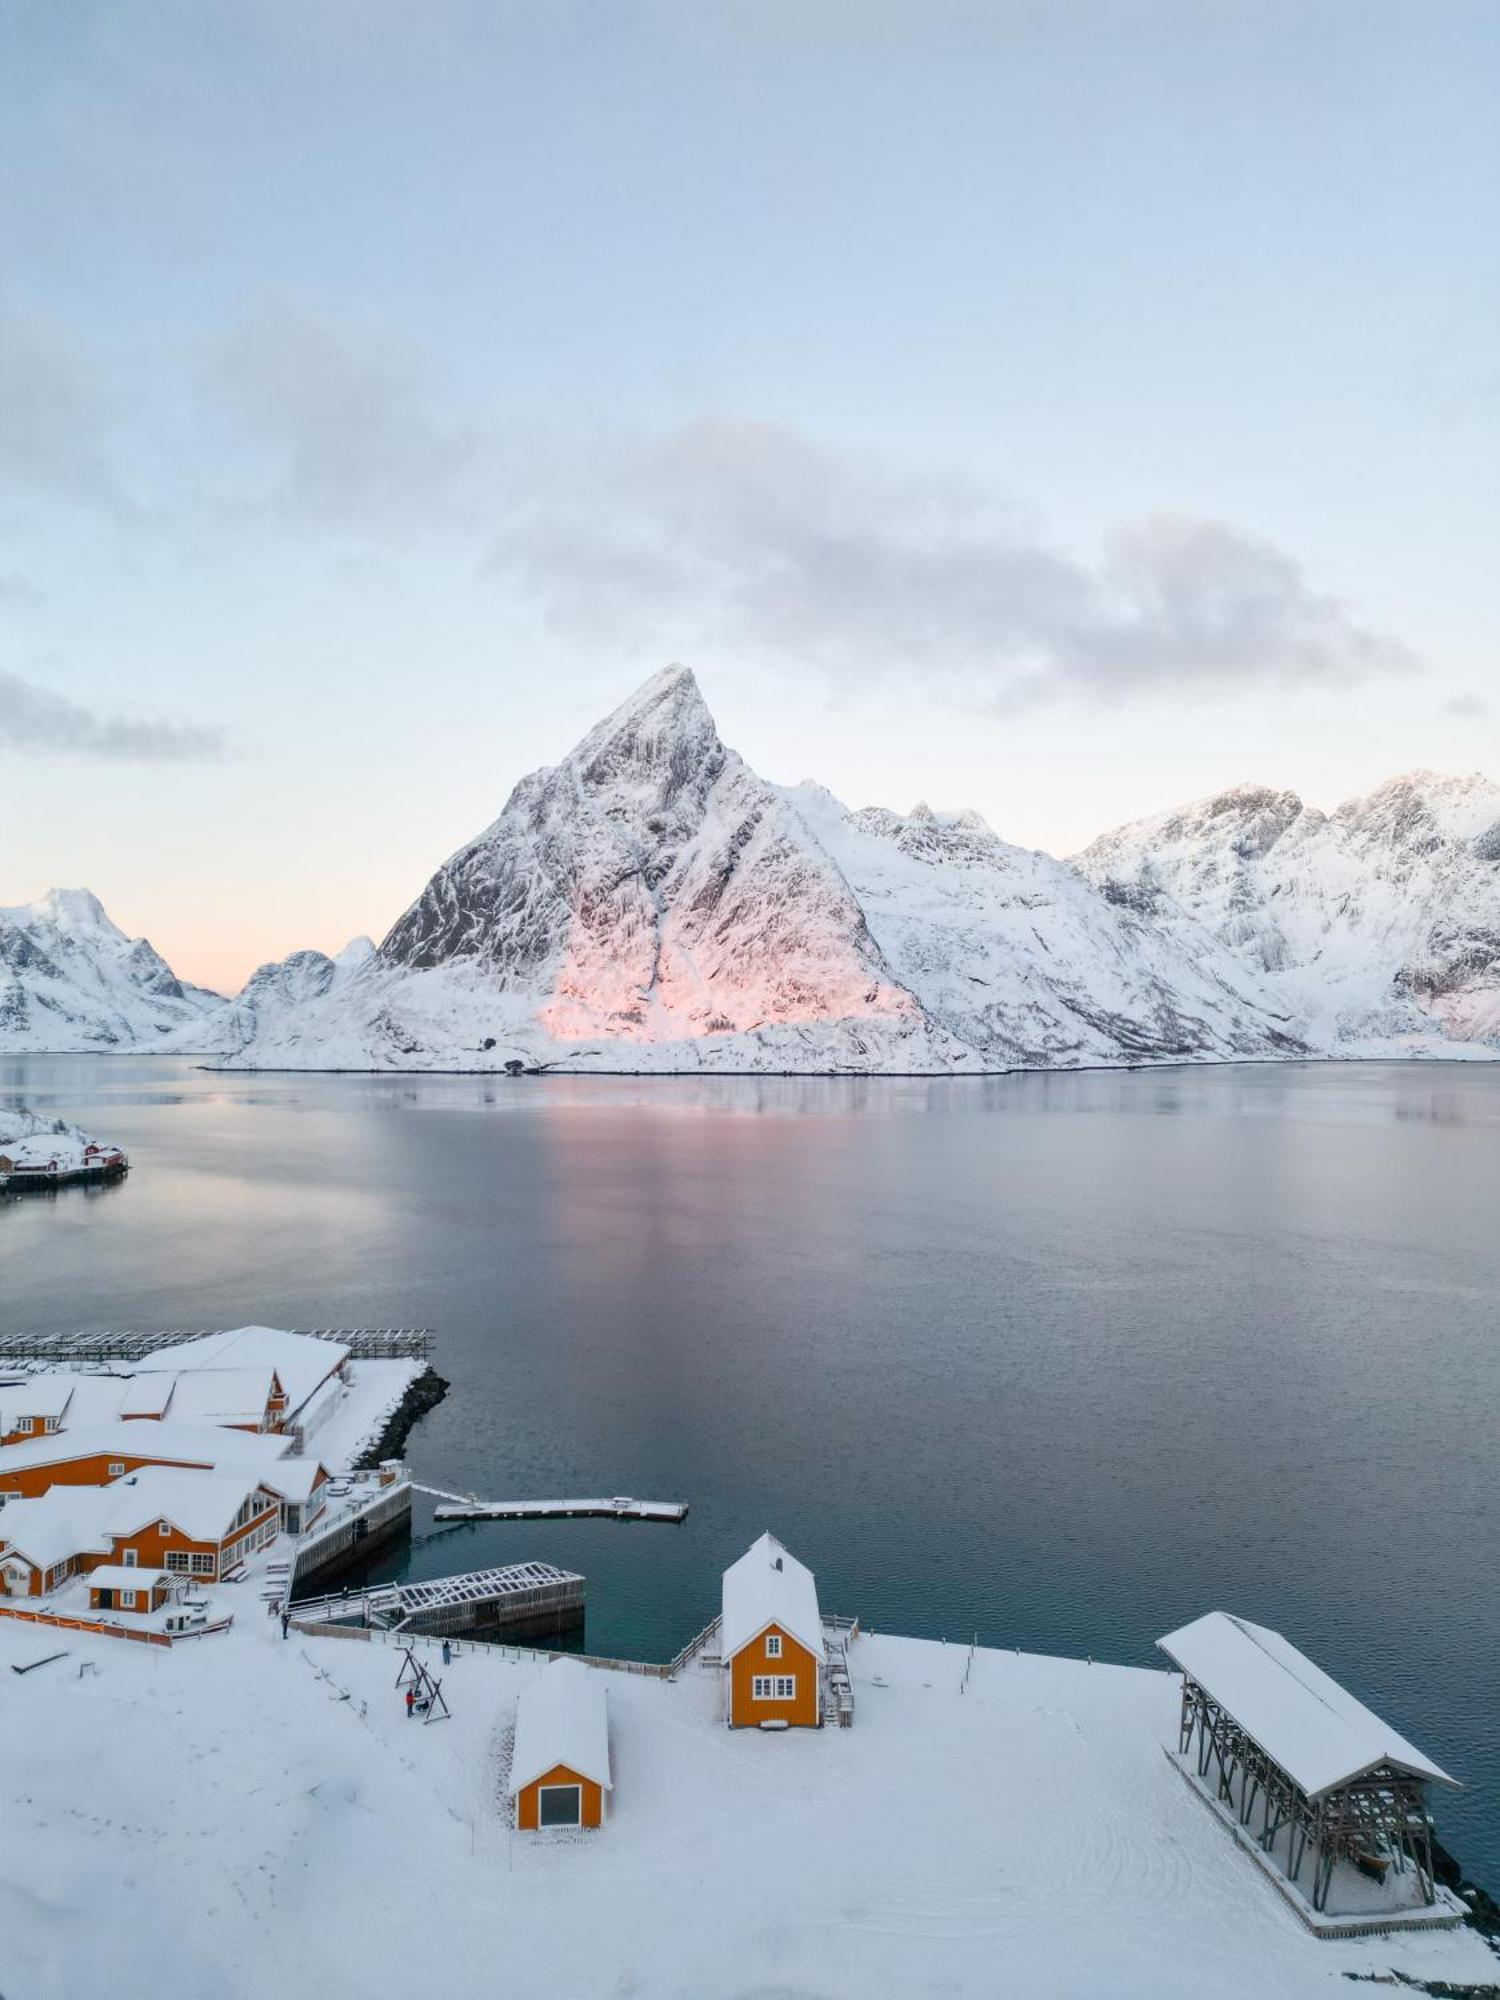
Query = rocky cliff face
x=1380 y=920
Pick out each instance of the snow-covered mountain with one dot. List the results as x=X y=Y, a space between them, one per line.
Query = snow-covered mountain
x=1379 y=922
x=276 y=991
x=650 y=903
x=70 y=979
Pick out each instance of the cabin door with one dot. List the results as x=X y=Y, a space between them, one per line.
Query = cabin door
x=106 y=1600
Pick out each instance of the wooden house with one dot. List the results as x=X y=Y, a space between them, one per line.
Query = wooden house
x=113 y=1587
x=186 y=1523
x=559 y=1768
x=771 y=1640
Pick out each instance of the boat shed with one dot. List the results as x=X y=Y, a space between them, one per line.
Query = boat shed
x=559 y=1767
x=1308 y=1774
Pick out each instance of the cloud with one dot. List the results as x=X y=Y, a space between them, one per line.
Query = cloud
x=334 y=424
x=56 y=419
x=1469 y=705
x=37 y=722
x=751 y=538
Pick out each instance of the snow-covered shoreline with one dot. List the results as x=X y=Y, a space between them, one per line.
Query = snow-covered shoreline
x=1007 y=1824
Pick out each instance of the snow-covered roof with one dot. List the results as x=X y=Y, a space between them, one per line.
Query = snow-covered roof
x=562 y=1717
x=179 y=1444
x=116 y=1576
x=1314 y=1729
x=202 y=1505
x=223 y=1395
x=301 y=1361
x=147 y=1395
x=61 y=1523
x=40 y=1395
x=768 y=1586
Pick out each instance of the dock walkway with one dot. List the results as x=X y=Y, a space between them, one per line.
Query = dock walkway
x=468 y=1507
x=519 y=1597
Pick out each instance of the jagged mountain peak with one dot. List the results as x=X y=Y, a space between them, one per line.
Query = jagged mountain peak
x=70 y=978
x=76 y=912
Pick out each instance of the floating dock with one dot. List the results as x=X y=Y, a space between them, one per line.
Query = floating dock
x=467 y=1507
x=524 y=1600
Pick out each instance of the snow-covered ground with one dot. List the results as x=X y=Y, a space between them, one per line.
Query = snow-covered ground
x=245 y=1817
x=345 y=1417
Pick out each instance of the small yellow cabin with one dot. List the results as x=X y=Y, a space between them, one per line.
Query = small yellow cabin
x=559 y=1767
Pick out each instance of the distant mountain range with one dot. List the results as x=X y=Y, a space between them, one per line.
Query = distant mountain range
x=651 y=904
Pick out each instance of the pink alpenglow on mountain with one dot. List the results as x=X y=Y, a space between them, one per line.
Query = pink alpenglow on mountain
x=651 y=904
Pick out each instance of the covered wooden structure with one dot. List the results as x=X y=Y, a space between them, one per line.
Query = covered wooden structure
x=1311 y=1775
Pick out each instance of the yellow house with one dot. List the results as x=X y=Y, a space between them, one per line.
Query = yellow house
x=559 y=1768
x=771 y=1640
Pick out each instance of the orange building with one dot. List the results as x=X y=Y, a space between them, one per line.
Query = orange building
x=113 y=1587
x=559 y=1767
x=771 y=1641
x=183 y=1523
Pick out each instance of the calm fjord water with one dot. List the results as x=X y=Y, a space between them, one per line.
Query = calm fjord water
x=1060 y=1360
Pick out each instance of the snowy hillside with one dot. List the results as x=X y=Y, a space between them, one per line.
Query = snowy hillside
x=70 y=979
x=275 y=990
x=1377 y=923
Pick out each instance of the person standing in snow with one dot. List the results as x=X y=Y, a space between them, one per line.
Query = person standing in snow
x=411 y=1703
x=285 y=1621
x=447 y=1654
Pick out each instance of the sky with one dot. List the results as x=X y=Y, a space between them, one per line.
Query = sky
x=1064 y=410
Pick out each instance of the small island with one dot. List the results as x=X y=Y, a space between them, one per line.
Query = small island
x=38 y=1153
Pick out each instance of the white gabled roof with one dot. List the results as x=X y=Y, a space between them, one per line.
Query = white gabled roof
x=222 y=1395
x=562 y=1717
x=201 y=1505
x=1314 y=1729
x=185 y=1444
x=67 y=1521
x=115 y=1576
x=302 y=1362
x=44 y=1395
x=768 y=1586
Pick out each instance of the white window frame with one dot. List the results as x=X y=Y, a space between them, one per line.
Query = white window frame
x=116 y=1468
x=164 y=1527
x=542 y=1790
x=129 y=1558
x=127 y=1599
x=50 y=1424
x=202 y=1564
x=176 y=1560
x=773 y=1687
x=773 y=1645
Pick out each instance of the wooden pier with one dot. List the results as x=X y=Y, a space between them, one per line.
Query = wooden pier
x=467 y=1507
x=524 y=1599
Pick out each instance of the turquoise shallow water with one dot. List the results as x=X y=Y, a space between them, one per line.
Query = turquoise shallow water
x=1060 y=1360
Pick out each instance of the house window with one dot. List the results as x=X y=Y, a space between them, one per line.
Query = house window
x=164 y=1527
x=128 y=1558
x=51 y=1424
x=201 y=1565
x=176 y=1560
x=773 y=1687
x=773 y=1645
x=116 y=1467
x=127 y=1600
x=559 y=1805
